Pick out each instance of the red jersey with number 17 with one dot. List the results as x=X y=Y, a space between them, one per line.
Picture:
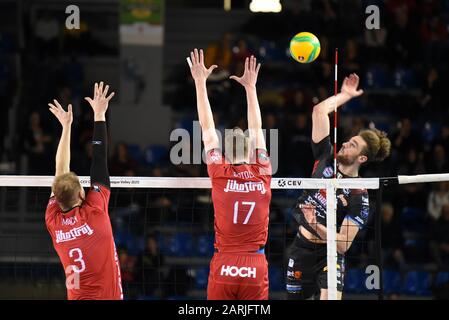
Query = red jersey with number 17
x=83 y=239
x=241 y=195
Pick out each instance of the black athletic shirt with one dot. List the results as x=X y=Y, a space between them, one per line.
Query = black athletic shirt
x=357 y=208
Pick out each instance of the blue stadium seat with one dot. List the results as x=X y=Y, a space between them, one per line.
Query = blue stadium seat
x=376 y=78
x=404 y=78
x=156 y=154
x=135 y=245
x=417 y=283
x=205 y=245
x=179 y=244
x=135 y=152
x=392 y=281
x=201 y=278
x=430 y=132
x=276 y=279
x=355 y=281
x=412 y=219
x=441 y=278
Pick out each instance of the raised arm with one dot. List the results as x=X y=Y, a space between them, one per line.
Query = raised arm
x=248 y=81
x=200 y=74
x=99 y=168
x=63 y=152
x=320 y=114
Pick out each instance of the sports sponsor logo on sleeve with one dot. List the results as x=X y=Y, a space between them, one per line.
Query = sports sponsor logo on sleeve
x=214 y=156
x=328 y=172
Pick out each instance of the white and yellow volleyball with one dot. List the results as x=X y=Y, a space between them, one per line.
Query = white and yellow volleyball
x=305 y=47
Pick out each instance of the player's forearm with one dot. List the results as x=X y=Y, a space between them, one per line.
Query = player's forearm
x=99 y=168
x=254 y=116
x=203 y=106
x=342 y=242
x=63 y=152
x=99 y=116
x=328 y=106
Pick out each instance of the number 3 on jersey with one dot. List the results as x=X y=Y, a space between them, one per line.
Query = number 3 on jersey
x=250 y=211
x=78 y=255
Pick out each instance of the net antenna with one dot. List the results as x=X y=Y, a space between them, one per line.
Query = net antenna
x=331 y=217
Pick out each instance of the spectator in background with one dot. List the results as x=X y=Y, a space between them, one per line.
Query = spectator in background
x=405 y=139
x=351 y=59
x=46 y=33
x=433 y=34
x=37 y=145
x=297 y=154
x=401 y=40
x=443 y=138
x=220 y=53
x=82 y=160
x=432 y=92
x=437 y=198
x=127 y=271
x=412 y=194
x=438 y=161
x=440 y=243
x=392 y=239
x=121 y=161
x=240 y=52
x=148 y=267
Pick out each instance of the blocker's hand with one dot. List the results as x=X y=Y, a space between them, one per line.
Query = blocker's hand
x=250 y=74
x=64 y=117
x=100 y=102
x=197 y=67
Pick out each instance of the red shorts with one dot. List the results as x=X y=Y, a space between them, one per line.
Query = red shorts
x=238 y=276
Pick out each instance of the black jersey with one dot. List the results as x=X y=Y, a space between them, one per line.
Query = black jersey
x=357 y=201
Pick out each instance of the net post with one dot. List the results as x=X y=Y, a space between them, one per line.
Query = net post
x=331 y=226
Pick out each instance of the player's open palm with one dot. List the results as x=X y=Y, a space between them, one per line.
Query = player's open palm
x=350 y=85
x=100 y=102
x=197 y=67
x=250 y=74
x=64 y=117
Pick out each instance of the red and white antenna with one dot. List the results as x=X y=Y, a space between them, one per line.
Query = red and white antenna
x=335 y=111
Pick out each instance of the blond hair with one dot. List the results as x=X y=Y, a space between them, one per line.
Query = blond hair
x=234 y=140
x=66 y=188
x=378 y=145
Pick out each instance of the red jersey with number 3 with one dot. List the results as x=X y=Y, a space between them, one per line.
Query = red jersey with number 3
x=241 y=195
x=83 y=239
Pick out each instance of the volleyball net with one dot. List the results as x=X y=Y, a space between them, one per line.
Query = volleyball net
x=163 y=229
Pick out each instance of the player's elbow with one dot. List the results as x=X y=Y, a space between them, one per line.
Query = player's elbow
x=343 y=246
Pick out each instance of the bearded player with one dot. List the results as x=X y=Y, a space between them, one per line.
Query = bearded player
x=307 y=257
x=79 y=223
x=241 y=192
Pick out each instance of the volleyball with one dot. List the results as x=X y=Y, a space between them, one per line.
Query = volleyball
x=305 y=47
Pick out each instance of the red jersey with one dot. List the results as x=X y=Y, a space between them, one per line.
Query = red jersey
x=83 y=239
x=241 y=195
